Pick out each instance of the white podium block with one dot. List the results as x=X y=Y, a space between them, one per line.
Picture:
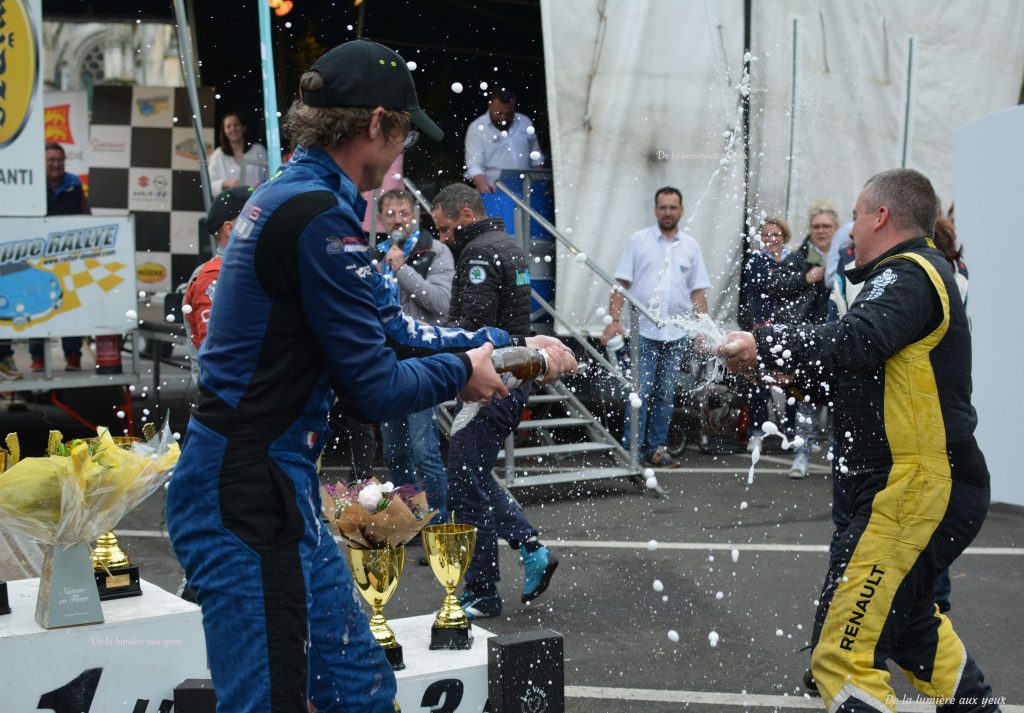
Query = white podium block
x=456 y=680
x=131 y=662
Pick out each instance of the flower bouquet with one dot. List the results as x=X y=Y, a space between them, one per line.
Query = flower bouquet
x=369 y=514
x=72 y=496
x=376 y=521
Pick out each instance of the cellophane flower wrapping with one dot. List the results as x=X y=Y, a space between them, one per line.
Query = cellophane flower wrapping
x=81 y=493
x=369 y=514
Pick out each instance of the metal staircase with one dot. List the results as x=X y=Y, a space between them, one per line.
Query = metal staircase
x=553 y=449
x=561 y=442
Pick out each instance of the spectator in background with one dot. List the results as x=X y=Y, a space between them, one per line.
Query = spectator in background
x=64 y=196
x=8 y=368
x=491 y=286
x=840 y=241
x=201 y=285
x=421 y=270
x=660 y=264
x=774 y=236
x=800 y=286
x=392 y=181
x=498 y=140
x=945 y=242
x=234 y=148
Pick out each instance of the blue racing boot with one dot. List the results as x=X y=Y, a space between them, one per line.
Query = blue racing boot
x=480 y=606
x=540 y=565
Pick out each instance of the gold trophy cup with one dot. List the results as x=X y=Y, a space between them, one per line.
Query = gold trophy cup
x=449 y=550
x=376 y=573
x=116 y=576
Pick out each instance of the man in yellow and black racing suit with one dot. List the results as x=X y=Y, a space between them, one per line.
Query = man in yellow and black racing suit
x=898 y=369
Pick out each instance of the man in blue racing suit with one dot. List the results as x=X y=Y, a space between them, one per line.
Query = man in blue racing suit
x=301 y=318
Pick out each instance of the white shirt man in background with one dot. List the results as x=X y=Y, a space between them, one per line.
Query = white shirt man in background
x=664 y=269
x=498 y=140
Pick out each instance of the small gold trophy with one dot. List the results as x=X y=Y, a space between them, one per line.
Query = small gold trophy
x=376 y=573
x=449 y=550
x=116 y=576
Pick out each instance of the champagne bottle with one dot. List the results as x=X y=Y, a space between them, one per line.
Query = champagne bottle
x=523 y=363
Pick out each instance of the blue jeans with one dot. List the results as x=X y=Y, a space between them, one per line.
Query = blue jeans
x=657 y=378
x=412 y=452
x=475 y=496
x=806 y=425
x=71 y=345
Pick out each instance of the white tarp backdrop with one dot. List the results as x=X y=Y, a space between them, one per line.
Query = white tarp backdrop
x=849 y=116
x=660 y=101
x=666 y=78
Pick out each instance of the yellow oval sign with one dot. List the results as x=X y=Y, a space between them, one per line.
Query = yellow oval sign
x=150 y=272
x=19 y=69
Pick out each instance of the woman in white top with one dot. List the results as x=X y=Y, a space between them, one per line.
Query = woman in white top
x=226 y=161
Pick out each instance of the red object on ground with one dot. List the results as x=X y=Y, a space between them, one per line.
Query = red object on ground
x=108 y=354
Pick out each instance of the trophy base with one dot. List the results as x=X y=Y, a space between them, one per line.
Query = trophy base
x=121 y=582
x=441 y=638
x=5 y=605
x=395 y=658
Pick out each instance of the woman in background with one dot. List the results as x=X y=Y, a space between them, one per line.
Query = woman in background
x=234 y=148
x=763 y=302
x=799 y=284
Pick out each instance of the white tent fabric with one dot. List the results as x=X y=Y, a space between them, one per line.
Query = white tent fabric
x=663 y=95
x=850 y=116
x=662 y=98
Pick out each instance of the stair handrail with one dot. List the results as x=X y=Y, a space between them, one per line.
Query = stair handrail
x=584 y=342
x=594 y=267
x=417 y=194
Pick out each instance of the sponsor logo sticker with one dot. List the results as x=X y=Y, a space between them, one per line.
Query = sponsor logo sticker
x=477 y=275
x=58 y=124
x=150 y=272
x=19 y=69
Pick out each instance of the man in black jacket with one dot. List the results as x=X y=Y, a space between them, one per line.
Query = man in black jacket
x=491 y=287
x=898 y=367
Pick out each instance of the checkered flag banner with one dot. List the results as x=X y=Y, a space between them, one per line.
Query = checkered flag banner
x=145 y=160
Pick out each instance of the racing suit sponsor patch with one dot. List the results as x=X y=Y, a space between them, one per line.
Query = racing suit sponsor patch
x=243 y=227
x=879 y=284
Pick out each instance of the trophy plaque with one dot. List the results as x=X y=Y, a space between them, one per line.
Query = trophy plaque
x=376 y=573
x=449 y=550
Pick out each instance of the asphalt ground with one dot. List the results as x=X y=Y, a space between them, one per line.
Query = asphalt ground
x=619 y=656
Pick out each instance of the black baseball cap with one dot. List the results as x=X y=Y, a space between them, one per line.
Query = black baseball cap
x=226 y=206
x=367 y=74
